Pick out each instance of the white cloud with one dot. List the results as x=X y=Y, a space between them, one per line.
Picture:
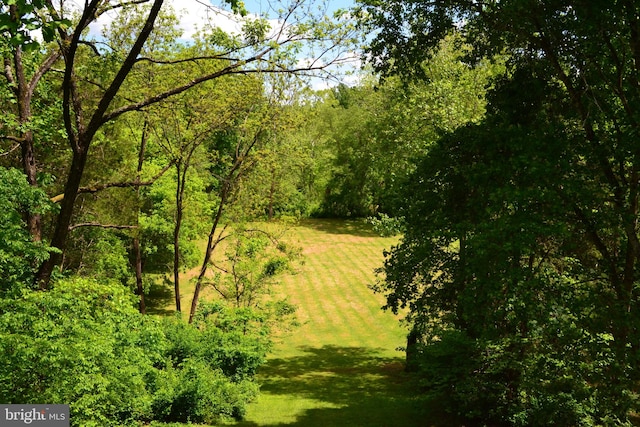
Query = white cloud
x=193 y=15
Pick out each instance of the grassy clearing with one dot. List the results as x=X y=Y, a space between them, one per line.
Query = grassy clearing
x=341 y=366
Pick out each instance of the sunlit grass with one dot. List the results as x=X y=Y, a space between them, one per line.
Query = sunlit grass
x=341 y=367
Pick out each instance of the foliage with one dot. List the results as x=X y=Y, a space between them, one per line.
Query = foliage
x=157 y=218
x=385 y=225
x=378 y=130
x=254 y=260
x=19 y=254
x=493 y=255
x=81 y=343
x=197 y=393
x=84 y=343
x=19 y=19
x=522 y=231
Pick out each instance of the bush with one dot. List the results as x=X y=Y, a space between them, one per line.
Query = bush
x=195 y=392
x=83 y=343
x=80 y=343
x=509 y=382
x=385 y=225
x=235 y=340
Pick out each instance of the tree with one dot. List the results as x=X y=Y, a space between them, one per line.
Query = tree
x=184 y=137
x=253 y=260
x=236 y=152
x=19 y=254
x=83 y=116
x=23 y=72
x=523 y=235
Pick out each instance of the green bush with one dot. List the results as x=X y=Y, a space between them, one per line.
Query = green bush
x=234 y=340
x=80 y=343
x=509 y=382
x=385 y=225
x=83 y=343
x=195 y=392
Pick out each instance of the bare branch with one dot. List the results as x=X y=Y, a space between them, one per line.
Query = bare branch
x=45 y=67
x=220 y=57
x=109 y=7
x=13 y=138
x=12 y=149
x=128 y=184
x=232 y=69
x=97 y=224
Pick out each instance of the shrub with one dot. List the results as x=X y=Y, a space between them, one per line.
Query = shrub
x=195 y=392
x=385 y=225
x=510 y=381
x=83 y=343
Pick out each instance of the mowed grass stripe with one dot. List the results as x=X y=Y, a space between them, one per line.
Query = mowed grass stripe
x=356 y=267
x=335 y=278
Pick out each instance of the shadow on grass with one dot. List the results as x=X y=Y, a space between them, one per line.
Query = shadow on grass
x=355 y=227
x=353 y=386
x=159 y=298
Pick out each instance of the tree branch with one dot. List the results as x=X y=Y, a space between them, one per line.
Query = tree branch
x=97 y=224
x=46 y=66
x=12 y=149
x=99 y=116
x=99 y=187
x=8 y=71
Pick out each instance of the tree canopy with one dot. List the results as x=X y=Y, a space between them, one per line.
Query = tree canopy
x=522 y=231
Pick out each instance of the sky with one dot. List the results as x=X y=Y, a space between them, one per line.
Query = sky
x=195 y=13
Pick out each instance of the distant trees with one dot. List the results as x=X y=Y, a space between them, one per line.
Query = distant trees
x=375 y=132
x=521 y=250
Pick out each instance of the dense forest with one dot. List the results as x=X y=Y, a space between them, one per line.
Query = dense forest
x=498 y=139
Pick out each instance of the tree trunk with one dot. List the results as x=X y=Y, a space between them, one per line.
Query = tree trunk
x=34 y=221
x=23 y=96
x=212 y=242
x=79 y=133
x=136 y=239
x=272 y=192
x=61 y=231
x=138 y=267
x=176 y=233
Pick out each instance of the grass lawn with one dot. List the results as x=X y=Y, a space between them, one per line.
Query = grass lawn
x=341 y=366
